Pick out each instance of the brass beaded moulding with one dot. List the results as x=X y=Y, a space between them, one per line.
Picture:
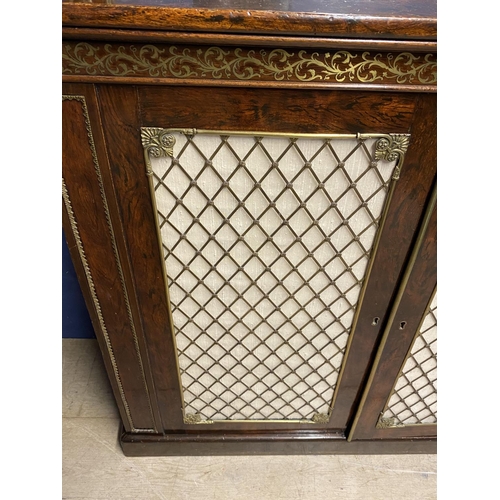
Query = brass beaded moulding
x=159 y=144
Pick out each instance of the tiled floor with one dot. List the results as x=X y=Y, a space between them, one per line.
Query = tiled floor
x=94 y=466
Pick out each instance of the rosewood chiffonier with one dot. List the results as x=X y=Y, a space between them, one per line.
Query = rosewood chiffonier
x=249 y=198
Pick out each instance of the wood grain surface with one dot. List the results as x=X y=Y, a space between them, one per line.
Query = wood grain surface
x=408 y=205
x=84 y=161
x=121 y=124
x=414 y=300
x=379 y=19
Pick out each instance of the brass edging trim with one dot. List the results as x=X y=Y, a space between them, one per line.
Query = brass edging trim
x=390 y=423
x=183 y=62
x=267 y=84
x=404 y=282
x=389 y=147
x=317 y=418
x=90 y=281
x=82 y=101
x=158 y=142
x=408 y=354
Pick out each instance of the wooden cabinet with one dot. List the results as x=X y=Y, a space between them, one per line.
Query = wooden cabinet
x=248 y=197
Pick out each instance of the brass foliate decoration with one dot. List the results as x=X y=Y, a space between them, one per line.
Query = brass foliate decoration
x=218 y=63
x=320 y=418
x=392 y=147
x=156 y=142
x=195 y=418
x=387 y=423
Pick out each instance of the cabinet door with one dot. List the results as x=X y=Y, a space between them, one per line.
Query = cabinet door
x=270 y=248
x=260 y=235
x=400 y=400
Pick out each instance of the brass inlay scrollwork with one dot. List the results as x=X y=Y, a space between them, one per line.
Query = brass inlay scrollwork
x=244 y=64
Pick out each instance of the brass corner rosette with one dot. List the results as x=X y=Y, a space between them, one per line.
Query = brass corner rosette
x=157 y=142
x=393 y=147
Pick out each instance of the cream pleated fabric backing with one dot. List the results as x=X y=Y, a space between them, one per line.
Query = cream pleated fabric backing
x=266 y=242
x=414 y=399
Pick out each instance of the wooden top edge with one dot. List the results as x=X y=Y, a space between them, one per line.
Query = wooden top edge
x=242 y=39
x=249 y=21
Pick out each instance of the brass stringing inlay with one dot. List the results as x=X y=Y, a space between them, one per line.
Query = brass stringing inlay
x=243 y=64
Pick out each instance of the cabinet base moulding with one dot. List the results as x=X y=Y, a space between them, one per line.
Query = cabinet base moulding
x=260 y=443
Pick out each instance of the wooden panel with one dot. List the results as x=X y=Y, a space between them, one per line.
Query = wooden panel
x=410 y=310
x=294 y=111
x=271 y=110
x=119 y=107
x=243 y=39
x=94 y=248
x=409 y=198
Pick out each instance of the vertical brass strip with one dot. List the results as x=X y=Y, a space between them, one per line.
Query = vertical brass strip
x=397 y=301
x=149 y=173
x=83 y=103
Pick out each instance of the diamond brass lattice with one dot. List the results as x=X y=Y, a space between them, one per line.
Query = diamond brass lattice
x=414 y=398
x=266 y=242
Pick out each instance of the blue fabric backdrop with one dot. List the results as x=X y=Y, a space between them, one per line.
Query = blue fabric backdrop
x=75 y=317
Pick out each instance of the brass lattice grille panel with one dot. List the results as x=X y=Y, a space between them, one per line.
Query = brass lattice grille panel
x=267 y=240
x=414 y=398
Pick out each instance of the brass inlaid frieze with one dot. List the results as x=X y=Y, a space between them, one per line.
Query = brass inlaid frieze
x=279 y=65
